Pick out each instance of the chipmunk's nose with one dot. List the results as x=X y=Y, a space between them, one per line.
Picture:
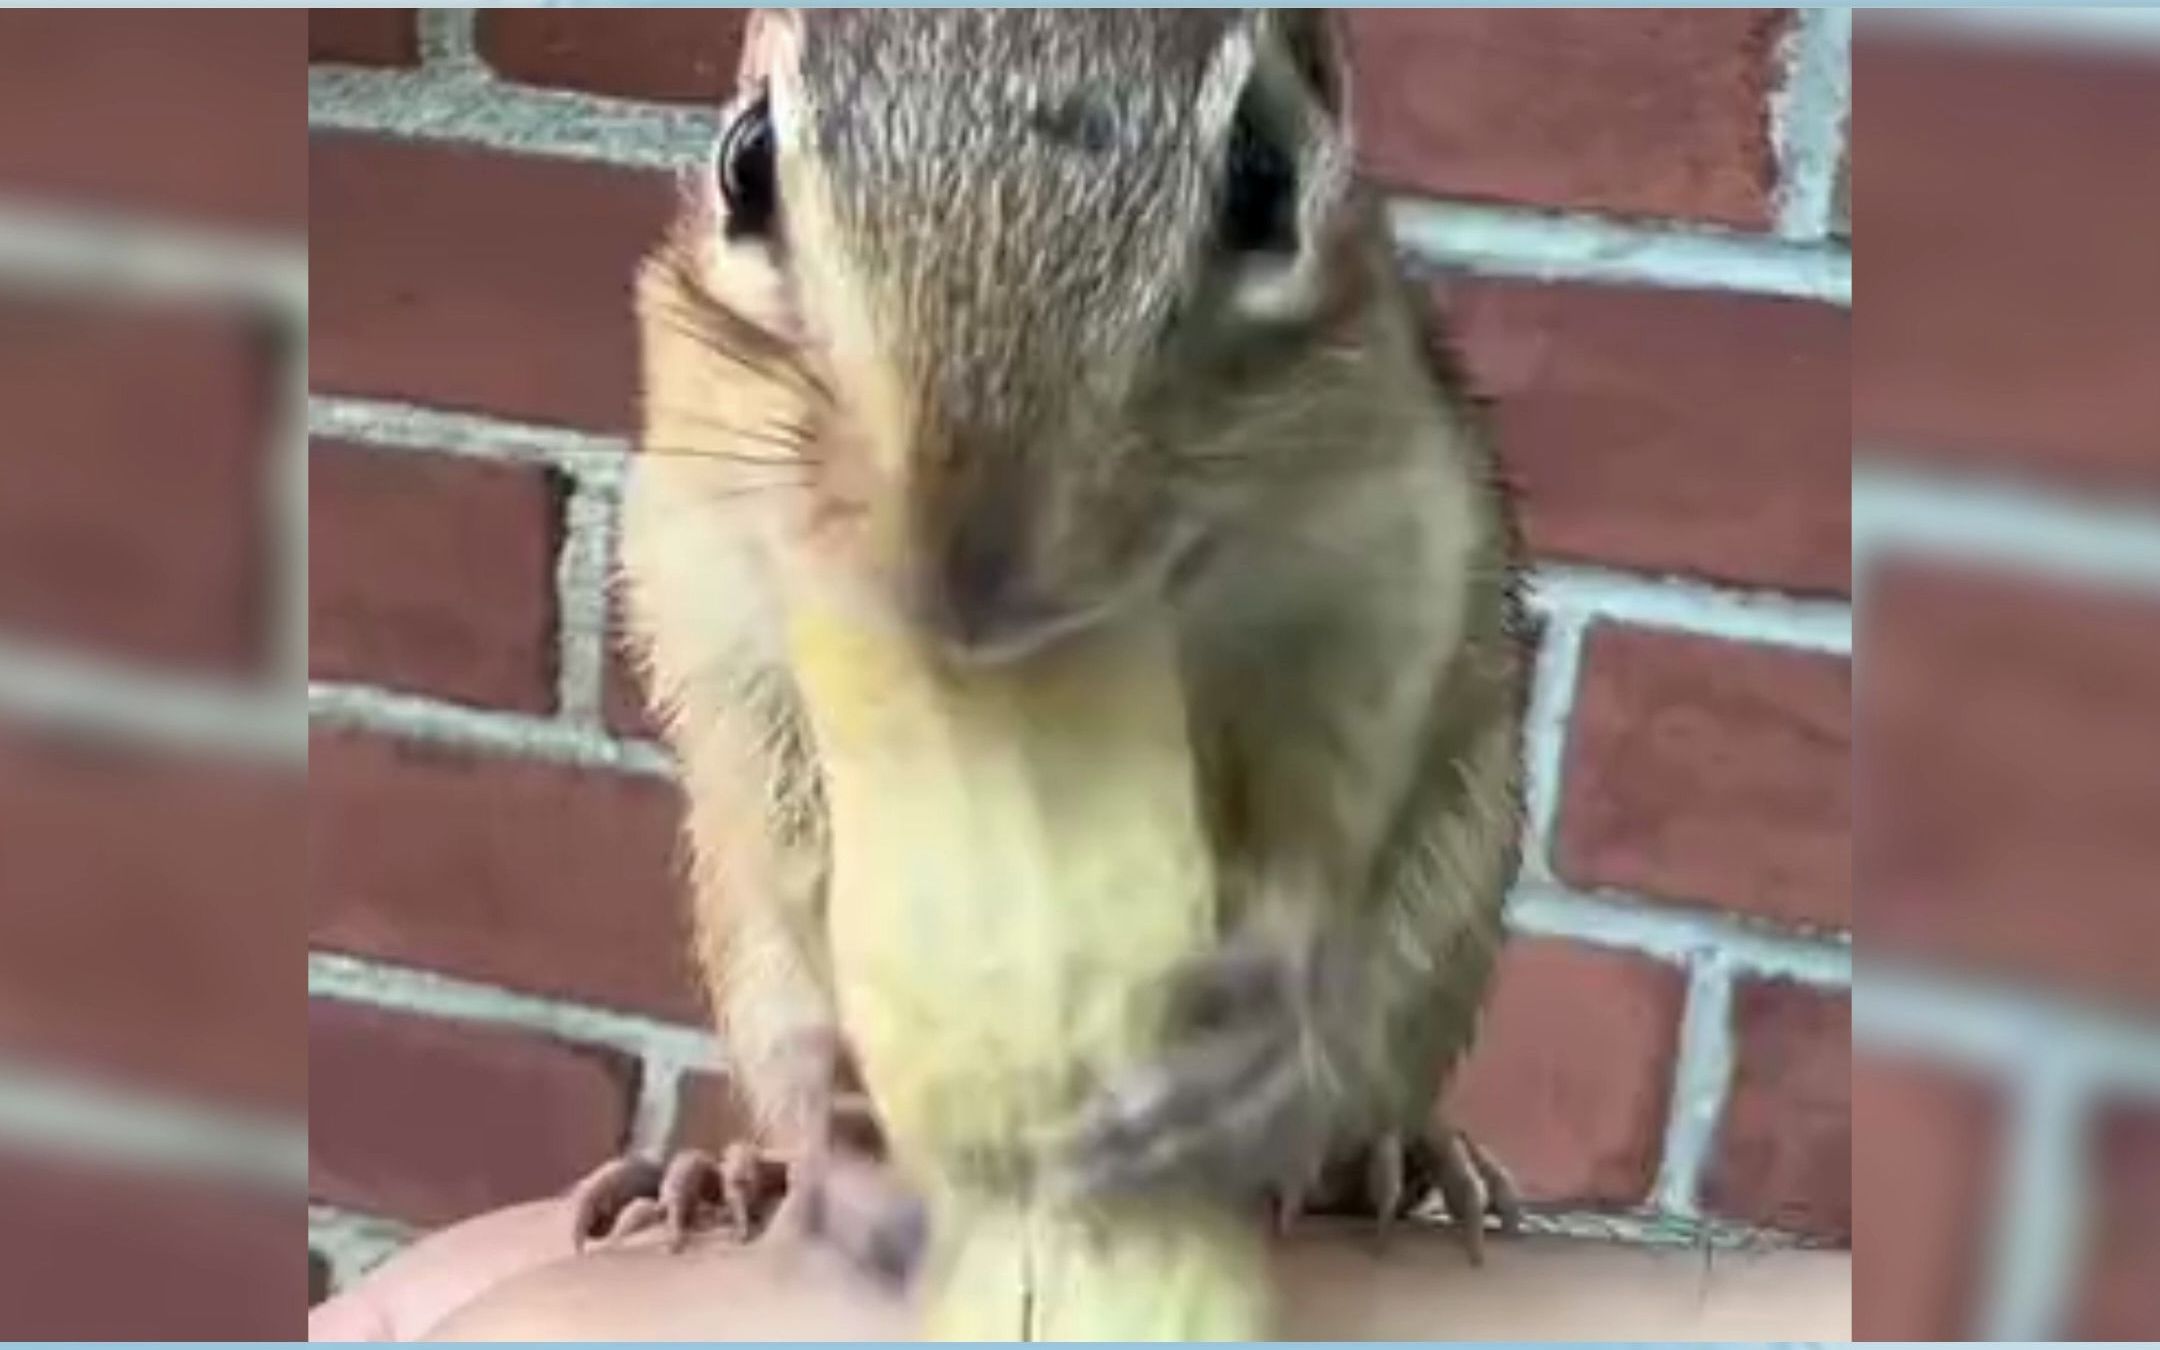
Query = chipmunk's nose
x=982 y=595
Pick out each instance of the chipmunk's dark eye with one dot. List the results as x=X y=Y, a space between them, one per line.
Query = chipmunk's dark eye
x=1259 y=208
x=747 y=182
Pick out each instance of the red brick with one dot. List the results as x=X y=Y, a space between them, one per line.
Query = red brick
x=1711 y=772
x=364 y=37
x=2008 y=819
x=551 y=878
x=431 y=1121
x=684 y=54
x=454 y=276
x=434 y=574
x=2012 y=281
x=1926 y=1150
x=1670 y=431
x=1638 y=112
x=91 y=1254
x=710 y=1113
x=147 y=920
x=2118 y=1299
x=1784 y=1149
x=1572 y=1074
x=193 y=113
x=131 y=501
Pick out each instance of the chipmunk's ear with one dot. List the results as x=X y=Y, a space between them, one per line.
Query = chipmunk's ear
x=771 y=38
x=1287 y=170
x=1312 y=41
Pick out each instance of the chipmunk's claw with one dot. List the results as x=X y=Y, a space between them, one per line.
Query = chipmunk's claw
x=1472 y=1184
x=628 y=1196
x=1393 y=1176
x=613 y=1200
x=754 y=1186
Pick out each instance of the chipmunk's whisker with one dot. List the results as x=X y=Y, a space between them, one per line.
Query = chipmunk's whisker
x=742 y=343
x=791 y=470
x=790 y=440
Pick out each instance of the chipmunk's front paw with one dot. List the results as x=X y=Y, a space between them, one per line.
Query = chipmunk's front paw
x=694 y=1191
x=1396 y=1173
x=1239 y=1103
x=858 y=1207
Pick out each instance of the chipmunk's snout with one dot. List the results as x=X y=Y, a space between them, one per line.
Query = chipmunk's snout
x=984 y=600
x=1006 y=561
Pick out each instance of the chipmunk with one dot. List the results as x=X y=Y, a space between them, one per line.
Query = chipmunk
x=1092 y=307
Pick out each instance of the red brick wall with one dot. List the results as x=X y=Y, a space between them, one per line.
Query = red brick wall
x=1678 y=425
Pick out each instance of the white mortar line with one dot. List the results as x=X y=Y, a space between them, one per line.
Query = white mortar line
x=1677 y=935
x=1808 y=120
x=1997 y=1030
x=1542 y=246
x=353 y=1244
x=2042 y=1196
x=1702 y=1079
x=581 y=602
x=405 y=426
x=1655 y=1230
x=66 y=1115
x=383 y=984
x=665 y=1051
x=1967 y=517
x=462 y=105
x=46 y=686
x=653 y=1120
x=449 y=43
x=1545 y=733
x=1698 y=607
x=414 y=717
x=67 y=250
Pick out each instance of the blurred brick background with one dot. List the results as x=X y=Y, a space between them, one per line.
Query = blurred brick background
x=153 y=310
x=2007 y=427
x=483 y=804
